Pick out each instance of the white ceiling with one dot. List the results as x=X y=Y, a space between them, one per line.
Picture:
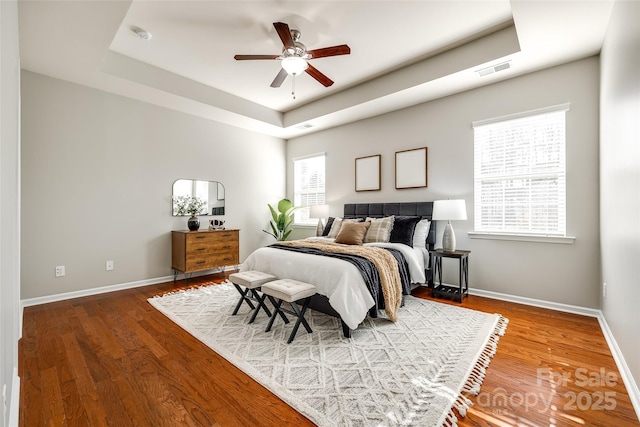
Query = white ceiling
x=402 y=52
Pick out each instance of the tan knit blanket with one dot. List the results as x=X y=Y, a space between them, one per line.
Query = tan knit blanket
x=383 y=260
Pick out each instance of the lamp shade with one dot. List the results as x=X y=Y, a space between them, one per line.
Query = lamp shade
x=294 y=65
x=449 y=210
x=319 y=211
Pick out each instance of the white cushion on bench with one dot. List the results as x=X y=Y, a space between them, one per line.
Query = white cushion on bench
x=288 y=289
x=251 y=279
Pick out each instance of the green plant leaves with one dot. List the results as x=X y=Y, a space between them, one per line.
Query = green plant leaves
x=284 y=205
x=281 y=219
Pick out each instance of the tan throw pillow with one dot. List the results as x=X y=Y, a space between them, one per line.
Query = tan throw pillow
x=337 y=223
x=380 y=229
x=352 y=233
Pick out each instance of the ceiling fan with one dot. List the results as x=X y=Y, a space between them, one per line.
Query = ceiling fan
x=295 y=56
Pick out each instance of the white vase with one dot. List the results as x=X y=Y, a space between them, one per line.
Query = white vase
x=448 y=239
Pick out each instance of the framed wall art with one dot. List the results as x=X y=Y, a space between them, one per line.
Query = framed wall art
x=368 y=173
x=411 y=168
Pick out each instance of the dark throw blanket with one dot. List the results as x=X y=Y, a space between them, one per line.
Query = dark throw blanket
x=367 y=269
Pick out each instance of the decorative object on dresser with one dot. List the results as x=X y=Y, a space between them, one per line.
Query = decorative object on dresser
x=449 y=210
x=368 y=173
x=216 y=224
x=440 y=289
x=190 y=205
x=320 y=212
x=202 y=250
x=411 y=168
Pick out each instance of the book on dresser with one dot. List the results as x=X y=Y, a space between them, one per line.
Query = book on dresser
x=201 y=250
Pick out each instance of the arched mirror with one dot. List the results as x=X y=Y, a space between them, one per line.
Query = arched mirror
x=211 y=192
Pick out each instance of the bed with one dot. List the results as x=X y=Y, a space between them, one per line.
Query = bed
x=342 y=289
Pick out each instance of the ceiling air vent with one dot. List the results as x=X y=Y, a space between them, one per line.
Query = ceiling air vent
x=494 y=68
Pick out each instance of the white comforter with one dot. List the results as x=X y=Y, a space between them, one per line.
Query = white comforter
x=339 y=280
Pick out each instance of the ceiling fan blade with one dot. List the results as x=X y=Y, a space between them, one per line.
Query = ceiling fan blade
x=343 y=49
x=279 y=78
x=244 y=57
x=285 y=34
x=324 y=80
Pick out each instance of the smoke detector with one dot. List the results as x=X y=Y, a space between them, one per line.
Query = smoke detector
x=142 y=33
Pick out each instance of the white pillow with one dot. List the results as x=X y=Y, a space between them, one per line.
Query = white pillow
x=335 y=227
x=420 y=233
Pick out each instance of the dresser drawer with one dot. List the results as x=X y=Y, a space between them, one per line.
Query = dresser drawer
x=213 y=250
x=204 y=250
x=198 y=263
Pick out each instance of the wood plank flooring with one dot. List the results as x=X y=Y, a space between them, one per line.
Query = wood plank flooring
x=113 y=360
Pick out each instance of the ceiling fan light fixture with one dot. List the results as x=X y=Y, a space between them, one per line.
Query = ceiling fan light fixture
x=294 y=65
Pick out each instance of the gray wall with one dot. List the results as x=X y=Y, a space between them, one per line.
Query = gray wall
x=97 y=174
x=9 y=209
x=560 y=273
x=620 y=179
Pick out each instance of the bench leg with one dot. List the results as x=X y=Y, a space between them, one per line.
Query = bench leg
x=300 y=313
x=276 y=308
x=243 y=298
x=261 y=305
x=274 y=302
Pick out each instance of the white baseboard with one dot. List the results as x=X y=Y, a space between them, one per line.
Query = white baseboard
x=625 y=372
x=93 y=291
x=623 y=368
x=14 y=409
x=567 y=308
x=104 y=289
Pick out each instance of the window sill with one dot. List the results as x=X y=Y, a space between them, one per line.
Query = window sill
x=522 y=237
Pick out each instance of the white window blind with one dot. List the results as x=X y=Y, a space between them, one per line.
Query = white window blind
x=308 y=186
x=519 y=171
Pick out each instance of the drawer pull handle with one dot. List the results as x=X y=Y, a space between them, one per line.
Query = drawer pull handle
x=228 y=258
x=200 y=237
x=226 y=247
x=201 y=262
x=201 y=249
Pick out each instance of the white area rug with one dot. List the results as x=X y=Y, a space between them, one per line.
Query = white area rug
x=412 y=372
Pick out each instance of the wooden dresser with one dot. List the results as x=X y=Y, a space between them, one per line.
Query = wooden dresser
x=204 y=249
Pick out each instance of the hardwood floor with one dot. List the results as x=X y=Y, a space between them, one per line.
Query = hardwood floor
x=112 y=359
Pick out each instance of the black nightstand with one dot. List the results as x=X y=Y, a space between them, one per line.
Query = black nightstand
x=455 y=292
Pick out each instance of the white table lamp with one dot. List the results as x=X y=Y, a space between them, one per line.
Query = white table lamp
x=449 y=210
x=320 y=212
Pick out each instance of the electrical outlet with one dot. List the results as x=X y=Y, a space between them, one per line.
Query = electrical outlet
x=604 y=289
x=60 y=271
x=108 y=265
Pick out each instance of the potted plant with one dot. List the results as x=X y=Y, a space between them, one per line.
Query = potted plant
x=281 y=219
x=189 y=205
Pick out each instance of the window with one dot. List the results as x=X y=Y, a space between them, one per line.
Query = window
x=308 y=187
x=519 y=172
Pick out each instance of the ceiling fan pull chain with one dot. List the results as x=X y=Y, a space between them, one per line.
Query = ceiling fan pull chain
x=293 y=86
